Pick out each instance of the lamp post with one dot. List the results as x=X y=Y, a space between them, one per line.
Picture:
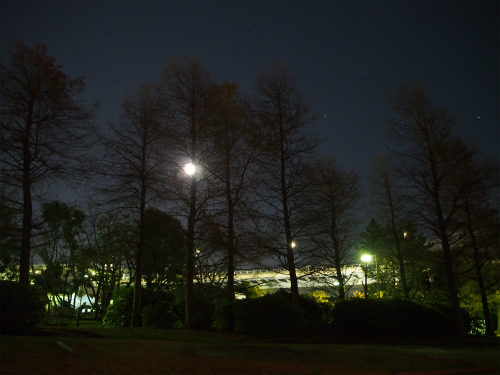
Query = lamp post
x=190 y=169
x=366 y=258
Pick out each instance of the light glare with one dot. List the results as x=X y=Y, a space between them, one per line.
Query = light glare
x=366 y=258
x=190 y=169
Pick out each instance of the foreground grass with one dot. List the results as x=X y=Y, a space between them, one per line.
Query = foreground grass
x=150 y=351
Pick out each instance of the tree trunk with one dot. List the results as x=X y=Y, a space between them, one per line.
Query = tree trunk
x=340 y=280
x=190 y=322
x=230 y=231
x=477 y=265
x=24 y=262
x=452 y=288
x=338 y=260
x=136 y=313
x=294 y=287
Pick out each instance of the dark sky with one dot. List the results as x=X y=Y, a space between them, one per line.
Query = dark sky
x=348 y=56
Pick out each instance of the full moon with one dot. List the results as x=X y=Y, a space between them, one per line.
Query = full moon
x=190 y=169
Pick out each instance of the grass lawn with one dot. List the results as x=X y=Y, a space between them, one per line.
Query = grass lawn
x=88 y=350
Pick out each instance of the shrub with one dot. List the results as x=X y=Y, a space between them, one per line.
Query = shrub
x=119 y=313
x=207 y=297
x=224 y=316
x=159 y=315
x=21 y=308
x=269 y=315
x=318 y=308
x=157 y=309
x=249 y=290
x=58 y=315
x=389 y=318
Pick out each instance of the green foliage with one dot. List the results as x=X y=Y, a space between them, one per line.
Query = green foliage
x=58 y=314
x=207 y=297
x=164 y=249
x=21 y=308
x=9 y=238
x=382 y=317
x=224 y=319
x=159 y=315
x=119 y=313
x=249 y=290
x=274 y=315
x=270 y=315
x=320 y=303
x=158 y=309
x=379 y=240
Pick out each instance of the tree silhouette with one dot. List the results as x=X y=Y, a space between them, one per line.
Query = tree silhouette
x=187 y=91
x=133 y=167
x=45 y=130
x=422 y=135
x=286 y=150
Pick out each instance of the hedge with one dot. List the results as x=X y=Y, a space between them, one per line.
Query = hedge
x=21 y=308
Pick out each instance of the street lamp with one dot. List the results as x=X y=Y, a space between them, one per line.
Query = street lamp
x=366 y=258
x=293 y=244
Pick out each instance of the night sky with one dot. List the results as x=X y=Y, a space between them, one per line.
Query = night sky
x=347 y=56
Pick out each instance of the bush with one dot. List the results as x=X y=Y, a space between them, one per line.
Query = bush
x=270 y=315
x=58 y=315
x=159 y=315
x=224 y=316
x=318 y=309
x=365 y=317
x=21 y=308
x=119 y=313
x=206 y=298
x=157 y=309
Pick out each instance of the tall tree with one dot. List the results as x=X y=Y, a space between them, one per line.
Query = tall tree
x=9 y=234
x=233 y=168
x=422 y=135
x=188 y=90
x=389 y=205
x=133 y=167
x=379 y=240
x=109 y=245
x=286 y=151
x=61 y=248
x=334 y=197
x=164 y=250
x=44 y=129
x=478 y=177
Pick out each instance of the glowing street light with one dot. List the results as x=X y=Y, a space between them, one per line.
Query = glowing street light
x=293 y=244
x=190 y=169
x=366 y=258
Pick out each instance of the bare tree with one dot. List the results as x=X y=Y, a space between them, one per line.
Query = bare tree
x=478 y=178
x=286 y=148
x=44 y=130
x=188 y=90
x=108 y=246
x=133 y=167
x=390 y=208
x=233 y=169
x=334 y=197
x=422 y=135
